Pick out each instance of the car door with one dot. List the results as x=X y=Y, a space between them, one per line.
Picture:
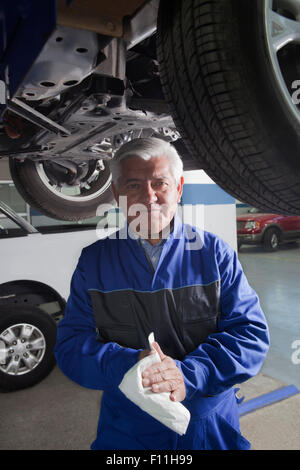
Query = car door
x=291 y=226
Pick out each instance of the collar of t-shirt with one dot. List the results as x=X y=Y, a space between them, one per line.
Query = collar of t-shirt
x=152 y=252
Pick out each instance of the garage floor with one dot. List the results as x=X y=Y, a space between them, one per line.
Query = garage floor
x=58 y=414
x=276 y=279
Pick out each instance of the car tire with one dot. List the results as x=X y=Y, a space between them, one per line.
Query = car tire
x=34 y=187
x=27 y=340
x=271 y=239
x=226 y=98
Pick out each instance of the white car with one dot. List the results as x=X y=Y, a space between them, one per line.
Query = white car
x=37 y=266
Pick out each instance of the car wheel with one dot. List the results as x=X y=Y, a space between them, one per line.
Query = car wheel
x=27 y=340
x=228 y=72
x=69 y=192
x=271 y=240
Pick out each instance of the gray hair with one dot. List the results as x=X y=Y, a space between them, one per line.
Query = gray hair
x=147 y=148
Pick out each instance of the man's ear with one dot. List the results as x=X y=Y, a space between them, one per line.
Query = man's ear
x=180 y=188
x=115 y=191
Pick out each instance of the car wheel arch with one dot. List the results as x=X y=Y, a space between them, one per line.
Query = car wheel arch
x=29 y=293
x=274 y=227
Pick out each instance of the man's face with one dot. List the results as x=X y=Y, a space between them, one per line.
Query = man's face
x=151 y=194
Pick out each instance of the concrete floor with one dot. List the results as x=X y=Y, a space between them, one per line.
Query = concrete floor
x=60 y=415
x=276 y=279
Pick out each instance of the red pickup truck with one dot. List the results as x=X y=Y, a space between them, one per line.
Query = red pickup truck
x=268 y=230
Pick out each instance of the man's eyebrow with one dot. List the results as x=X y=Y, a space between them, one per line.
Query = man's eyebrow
x=163 y=177
x=129 y=180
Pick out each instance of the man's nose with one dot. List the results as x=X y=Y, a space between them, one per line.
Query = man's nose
x=150 y=195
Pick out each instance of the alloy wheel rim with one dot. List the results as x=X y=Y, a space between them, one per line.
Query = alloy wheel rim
x=22 y=349
x=274 y=241
x=282 y=29
x=76 y=198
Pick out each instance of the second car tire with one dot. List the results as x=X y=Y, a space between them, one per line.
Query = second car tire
x=28 y=337
x=271 y=239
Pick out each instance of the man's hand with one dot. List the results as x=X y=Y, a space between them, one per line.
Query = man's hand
x=164 y=376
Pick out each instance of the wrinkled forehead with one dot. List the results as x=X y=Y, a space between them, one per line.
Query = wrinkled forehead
x=155 y=167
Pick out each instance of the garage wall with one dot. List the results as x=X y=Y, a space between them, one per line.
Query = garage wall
x=207 y=206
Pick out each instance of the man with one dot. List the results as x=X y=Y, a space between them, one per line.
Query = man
x=209 y=328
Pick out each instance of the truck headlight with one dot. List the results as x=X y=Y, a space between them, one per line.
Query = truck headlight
x=252 y=224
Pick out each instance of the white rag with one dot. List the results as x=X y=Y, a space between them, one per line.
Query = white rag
x=159 y=405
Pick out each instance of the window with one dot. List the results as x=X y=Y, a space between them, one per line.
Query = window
x=8 y=228
x=12 y=198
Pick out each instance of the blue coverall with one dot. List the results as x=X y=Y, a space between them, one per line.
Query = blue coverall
x=203 y=313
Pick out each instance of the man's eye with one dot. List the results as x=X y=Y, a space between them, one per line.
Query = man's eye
x=133 y=186
x=159 y=184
